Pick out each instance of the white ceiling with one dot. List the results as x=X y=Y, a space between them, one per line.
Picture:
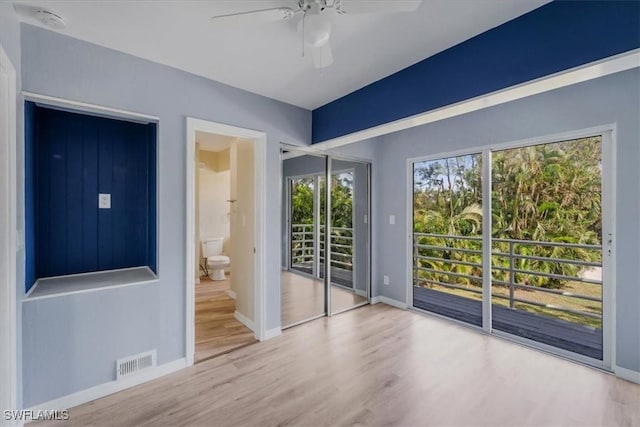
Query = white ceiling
x=266 y=58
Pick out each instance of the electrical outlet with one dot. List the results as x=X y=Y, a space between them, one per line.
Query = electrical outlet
x=385 y=280
x=392 y=219
x=104 y=201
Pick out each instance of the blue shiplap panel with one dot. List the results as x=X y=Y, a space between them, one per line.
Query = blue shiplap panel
x=105 y=186
x=43 y=205
x=75 y=157
x=556 y=37
x=137 y=199
x=30 y=120
x=74 y=192
x=90 y=130
x=56 y=263
x=151 y=175
x=118 y=209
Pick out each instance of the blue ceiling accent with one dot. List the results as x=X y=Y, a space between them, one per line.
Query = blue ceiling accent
x=555 y=37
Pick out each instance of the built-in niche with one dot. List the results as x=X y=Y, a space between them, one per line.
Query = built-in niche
x=90 y=202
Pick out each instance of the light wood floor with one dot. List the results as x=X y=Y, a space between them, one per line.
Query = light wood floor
x=303 y=298
x=217 y=330
x=377 y=365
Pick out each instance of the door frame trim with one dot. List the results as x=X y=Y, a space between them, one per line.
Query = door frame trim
x=8 y=286
x=259 y=139
x=609 y=150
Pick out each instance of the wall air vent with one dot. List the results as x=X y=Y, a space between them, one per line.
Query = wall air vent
x=135 y=364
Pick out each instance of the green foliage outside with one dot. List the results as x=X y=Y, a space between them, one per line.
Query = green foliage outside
x=544 y=193
x=302 y=205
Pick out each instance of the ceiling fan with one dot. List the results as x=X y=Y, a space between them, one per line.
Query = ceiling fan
x=315 y=25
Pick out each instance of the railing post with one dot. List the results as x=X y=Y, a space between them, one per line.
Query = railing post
x=511 y=275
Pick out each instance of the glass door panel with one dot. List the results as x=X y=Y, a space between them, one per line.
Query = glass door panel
x=349 y=250
x=547 y=244
x=303 y=290
x=447 y=237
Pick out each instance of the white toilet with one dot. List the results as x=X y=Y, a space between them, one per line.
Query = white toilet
x=212 y=253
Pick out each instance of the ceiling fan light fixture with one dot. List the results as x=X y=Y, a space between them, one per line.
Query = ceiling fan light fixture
x=317 y=29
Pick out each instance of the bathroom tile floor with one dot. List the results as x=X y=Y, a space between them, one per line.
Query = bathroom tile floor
x=217 y=330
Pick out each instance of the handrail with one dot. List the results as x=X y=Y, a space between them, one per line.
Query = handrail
x=303 y=245
x=422 y=256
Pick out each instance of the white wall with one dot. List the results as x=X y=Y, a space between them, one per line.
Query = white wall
x=214 y=209
x=242 y=225
x=71 y=343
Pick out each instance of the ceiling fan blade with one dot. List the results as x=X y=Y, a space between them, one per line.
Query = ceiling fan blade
x=322 y=56
x=352 y=7
x=264 y=15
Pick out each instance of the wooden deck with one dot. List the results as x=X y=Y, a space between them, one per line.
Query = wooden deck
x=558 y=333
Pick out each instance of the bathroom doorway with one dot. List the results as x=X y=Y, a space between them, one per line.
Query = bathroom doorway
x=223 y=284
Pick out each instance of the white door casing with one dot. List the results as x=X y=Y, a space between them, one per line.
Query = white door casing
x=8 y=234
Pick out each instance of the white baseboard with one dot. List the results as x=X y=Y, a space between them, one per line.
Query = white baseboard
x=389 y=301
x=244 y=320
x=231 y=294
x=272 y=333
x=102 y=390
x=627 y=374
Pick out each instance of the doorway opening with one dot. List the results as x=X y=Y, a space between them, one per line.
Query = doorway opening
x=224 y=283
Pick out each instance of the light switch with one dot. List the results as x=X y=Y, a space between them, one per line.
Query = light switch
x=366 y=218
x=104 y=201
x=392 y=219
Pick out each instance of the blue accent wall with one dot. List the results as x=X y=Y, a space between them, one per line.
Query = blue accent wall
x=70 y=159
x=550 y=39
x=30 y=193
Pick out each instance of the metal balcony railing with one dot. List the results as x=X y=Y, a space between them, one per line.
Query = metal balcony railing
x=303 y=246
x=455 y=262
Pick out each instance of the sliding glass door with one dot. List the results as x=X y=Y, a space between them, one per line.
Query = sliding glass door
x=447 y=237
x=546 y=232
x=547 y=244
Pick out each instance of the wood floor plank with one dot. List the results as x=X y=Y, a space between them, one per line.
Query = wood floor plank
x=376 y=365
x=216 y=329
x=302 y=298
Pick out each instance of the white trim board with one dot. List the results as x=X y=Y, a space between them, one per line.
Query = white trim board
x=389 y=301
x=9 y=234
x=85 y=107
x=95 y=286
x=244 y=320
x=627 y=374
x=102 y=390
x=271 y=333
x=615 y=64
x=260 y=149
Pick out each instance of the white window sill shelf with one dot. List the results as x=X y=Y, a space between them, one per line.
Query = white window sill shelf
x=51 y=287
